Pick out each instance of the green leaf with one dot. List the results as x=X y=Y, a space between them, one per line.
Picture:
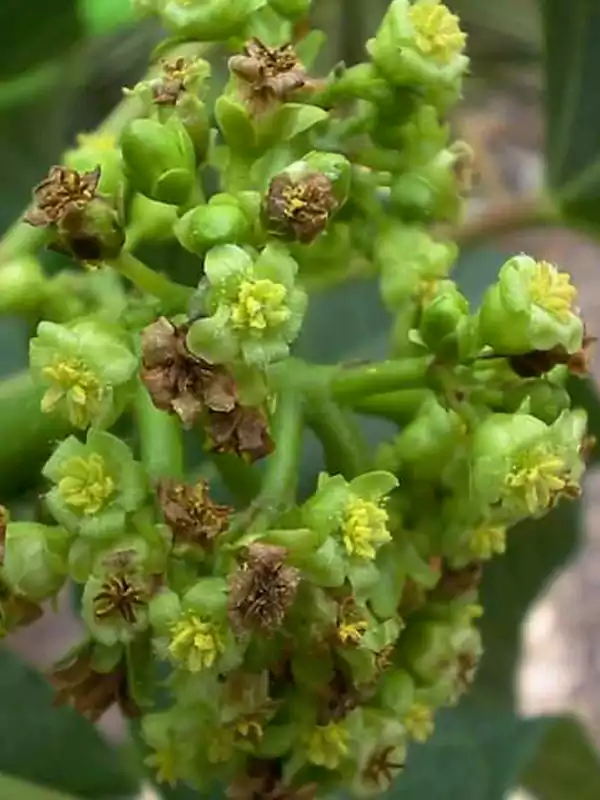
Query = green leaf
x=572 y=30
x=55 y=748
x=566 y=766
x=35 y=33
x=102 y=16
x=11 y=787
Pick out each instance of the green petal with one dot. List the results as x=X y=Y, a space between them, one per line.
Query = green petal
x=326 y=567
x=132 y=486
x=70 y=448
x=226 y=265
x=207 y=596
x=210 y=339
x=164 y=610
x=114 y=451
x=264 y=352
x=325 y=509
x=276 y=264
x=106 y=524
x=61 y=512
x=373 y=485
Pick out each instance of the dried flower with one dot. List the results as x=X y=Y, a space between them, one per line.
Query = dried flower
x=263 y=781
x=120 y=596
x=268 y=74
x=62 y=193
x=90 y=692
x=457 y=582
x=300 y=209
x=538 y=362
x=190 y=513
x=262 y=590
x=382 y=767
x=244 y=431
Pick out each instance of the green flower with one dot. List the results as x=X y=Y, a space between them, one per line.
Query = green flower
x=254 y=310
x=421 y=45
x=530 y=307
x=208 y=20
x=88 y=370
x=114 y=605
x=327 y=745
x=418 y=722
x=520 y=467
x=35 y=559
x=353 y=513
x=96 y=484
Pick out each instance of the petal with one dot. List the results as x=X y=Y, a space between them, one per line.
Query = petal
x=373 y=485
x=70 y=448
x=107 y=524
x=226 y=265
x=276 y=264
x=210 y=339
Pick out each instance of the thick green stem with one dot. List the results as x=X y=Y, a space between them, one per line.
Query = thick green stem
x=161 y=445
x=174 y=296
x=27 y=435
x=240 y=479
x=343 y=443
x=399 y=406
x=350 y=383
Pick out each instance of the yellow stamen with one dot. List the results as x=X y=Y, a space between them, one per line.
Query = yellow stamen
x=419 y=722
x=537 y=481
x=86 y=484
x=487 y=541
x=260 y=305
x=327 y=745
x=196 y=643
x=552 y=290
x=364 y=527
x=437 y=30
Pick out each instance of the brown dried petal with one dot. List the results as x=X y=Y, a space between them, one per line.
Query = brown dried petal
x=190 y=512
x=262 y=590
x=62 y=193
x=539 y=362
x=301 y=209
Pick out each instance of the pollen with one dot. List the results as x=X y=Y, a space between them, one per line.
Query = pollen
x=419 y=722
x=552 y=290
x=365 y=526
x=260 y=305
x=86 y=484
x=437 y=30
x=327 y=745
x=195 y=643
x=536 y=480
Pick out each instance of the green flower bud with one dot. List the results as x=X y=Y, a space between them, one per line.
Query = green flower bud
x=540 y=398
x=359 y=82
x=88 y=369
x=96 y=484
x=221 y=222
x=159 y=158
x=427 y=649
x=194 y=115
x=421 y=45
x=530 y=307
x=208 y=20
x=35 y=559
x=445 y=326
x=23 y=286
x=254 y=309
x=410 y=262
x=99 y=150
x=292 y=9
x=520 y=467
x=352 y=511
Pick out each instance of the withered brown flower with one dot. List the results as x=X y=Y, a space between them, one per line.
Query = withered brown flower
x=299 y=209
x=244 y=431
x=263 y=781
x=190 y=512
x=120 y=595
x=268 y=74
x=539 y=362
x=91 y=693
x=262 y=590
x=179 y=382
x=64 y=192
x=454 y=583
x=382 y=768
x=167 y=89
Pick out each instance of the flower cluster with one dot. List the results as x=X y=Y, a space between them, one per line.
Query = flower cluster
x=306 y=638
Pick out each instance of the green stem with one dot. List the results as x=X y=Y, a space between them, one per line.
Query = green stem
x=240 y=479
x=161 y=444
x=341 y=437
x=349 y=383
x=399 y=406
x=173 y=295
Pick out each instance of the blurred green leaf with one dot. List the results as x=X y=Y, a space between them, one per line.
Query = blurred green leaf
x=567 y=764
x=102 y=16
x=36 y=31
x=52 y=747
x=12 y=788
x=572 y=31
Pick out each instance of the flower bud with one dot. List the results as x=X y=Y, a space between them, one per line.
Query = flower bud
x=195 y=118
x=410 y=261
x=530 y=307
x=159 y=159
x=101 y=151
x=222 y=221
x=208 y=20
x=427 y=649
x=149 y=221
x=445 y=325
x=23 y=286
x=359 y=82
x=35 y=559
x=254 y=309
x=87 y=367
x=421 y=45
x=540 y=398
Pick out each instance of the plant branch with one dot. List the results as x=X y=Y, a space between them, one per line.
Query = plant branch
x=173 y=295
x=342 y=440
x=398 y=406
x=349 y=383
x=161 y=445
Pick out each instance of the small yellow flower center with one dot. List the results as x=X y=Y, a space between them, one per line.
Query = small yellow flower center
x=437 y=30
x=260 y=305
x=164 y=762
x=327 y=745
x=552 y=290
x=536 y=479
x=364 y=527
x=71 y=379
x=351 y=631
x=86 y=484
x=98 y=141
x=195 y=643
x=419 y=722
x=487 y=541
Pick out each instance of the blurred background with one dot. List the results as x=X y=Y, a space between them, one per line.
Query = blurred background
x=61 y=73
